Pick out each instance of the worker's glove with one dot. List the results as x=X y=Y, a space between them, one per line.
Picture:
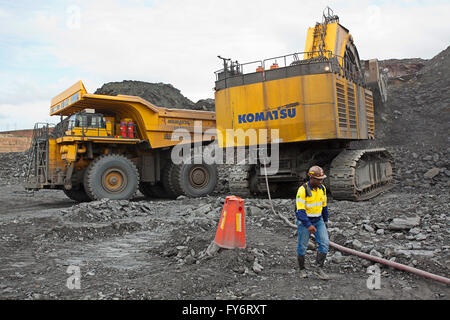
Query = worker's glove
x=326 y=224
x=312 y=229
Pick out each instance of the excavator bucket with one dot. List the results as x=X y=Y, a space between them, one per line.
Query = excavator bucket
x=375 y=80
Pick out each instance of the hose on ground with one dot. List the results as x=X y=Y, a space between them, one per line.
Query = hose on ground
x=361 y=254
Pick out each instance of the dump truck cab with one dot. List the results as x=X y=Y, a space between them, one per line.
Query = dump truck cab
x=89 y=124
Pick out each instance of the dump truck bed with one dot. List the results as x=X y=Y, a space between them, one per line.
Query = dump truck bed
x=154 y=124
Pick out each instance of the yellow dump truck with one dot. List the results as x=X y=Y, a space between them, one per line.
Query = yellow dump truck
x=109 y=146
x=312 y=104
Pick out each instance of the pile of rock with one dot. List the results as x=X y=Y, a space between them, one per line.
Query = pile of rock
x=416 y=114
x=159 y=94
x=13 y=167
x=107 y=210
x=422 y=168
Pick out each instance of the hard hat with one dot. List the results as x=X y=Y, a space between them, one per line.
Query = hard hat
x=316 y=172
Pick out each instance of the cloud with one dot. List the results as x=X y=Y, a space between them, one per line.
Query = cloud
x=24 y=115
x=54 y=44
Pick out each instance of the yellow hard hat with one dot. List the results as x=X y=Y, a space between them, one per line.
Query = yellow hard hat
x=316 y=172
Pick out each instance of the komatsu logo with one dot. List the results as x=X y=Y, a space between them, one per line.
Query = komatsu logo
x=283 y=112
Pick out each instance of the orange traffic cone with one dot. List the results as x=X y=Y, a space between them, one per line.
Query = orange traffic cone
x=231 y=230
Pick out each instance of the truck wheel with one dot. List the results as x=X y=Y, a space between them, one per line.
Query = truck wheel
x=78 y=194
x=167 y=178
x=111 y=176
x=194 y=180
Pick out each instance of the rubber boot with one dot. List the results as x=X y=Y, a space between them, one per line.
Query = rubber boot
x=320 y=260
x=301 y=266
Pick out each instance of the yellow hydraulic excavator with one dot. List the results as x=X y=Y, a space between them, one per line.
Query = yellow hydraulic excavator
x=318 y=101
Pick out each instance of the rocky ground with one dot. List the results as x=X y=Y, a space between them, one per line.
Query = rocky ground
x=162 y=249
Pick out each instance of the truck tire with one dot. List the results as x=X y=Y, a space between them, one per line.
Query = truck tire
x=194 y=180
x=167 y=181
x=78 y=195
x=111 y=176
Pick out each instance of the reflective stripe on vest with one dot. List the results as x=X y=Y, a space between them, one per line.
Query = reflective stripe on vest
x=317 y=204
x=314 y=215
x=312 y=204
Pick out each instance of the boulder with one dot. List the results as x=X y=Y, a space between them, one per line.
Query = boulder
x=430 y=174
x=404 y=223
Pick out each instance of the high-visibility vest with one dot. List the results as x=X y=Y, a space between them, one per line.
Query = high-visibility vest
x=310 y=200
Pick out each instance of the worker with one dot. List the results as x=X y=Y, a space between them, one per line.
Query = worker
x=312 y=218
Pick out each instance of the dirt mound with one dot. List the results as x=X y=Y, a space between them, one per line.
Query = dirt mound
x=414 y=122
x=159 y=94
x=107 y=210
x=13 y=167
x=436 y=70
x=85 y=233
x=417 y=112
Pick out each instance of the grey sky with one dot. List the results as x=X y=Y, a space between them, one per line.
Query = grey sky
x=46 y=46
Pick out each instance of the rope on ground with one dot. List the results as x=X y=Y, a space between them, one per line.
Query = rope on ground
x=271 y=204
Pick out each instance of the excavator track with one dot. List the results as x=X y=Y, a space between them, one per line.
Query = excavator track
x=358 y=175
x=354 y=175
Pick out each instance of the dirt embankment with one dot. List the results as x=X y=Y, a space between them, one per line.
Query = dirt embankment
x=159 y=94
x=13 y=143
x=415 y=121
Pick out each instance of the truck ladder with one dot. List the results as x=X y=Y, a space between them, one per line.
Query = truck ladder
x=37 y=171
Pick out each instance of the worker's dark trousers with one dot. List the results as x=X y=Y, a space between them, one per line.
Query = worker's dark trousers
x=321 y=236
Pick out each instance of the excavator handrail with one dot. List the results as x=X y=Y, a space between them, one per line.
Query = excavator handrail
x=240 y=65
x=325 y=56
x=296 y=55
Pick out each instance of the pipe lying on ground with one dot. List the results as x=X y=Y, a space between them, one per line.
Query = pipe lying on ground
x=361 y=254
x=391 y=263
